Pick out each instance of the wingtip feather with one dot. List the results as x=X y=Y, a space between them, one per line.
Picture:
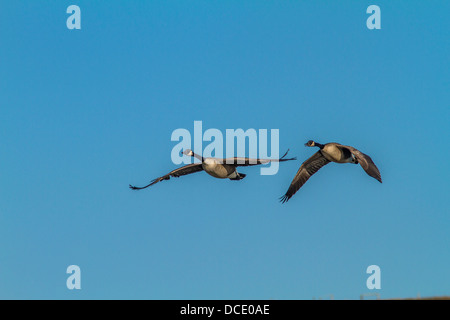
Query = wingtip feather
x=284 y=198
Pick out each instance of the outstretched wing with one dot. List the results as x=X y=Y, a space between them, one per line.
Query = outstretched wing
x=307 y=169
x=366 y=163
x=244 y=162
x=188 y=169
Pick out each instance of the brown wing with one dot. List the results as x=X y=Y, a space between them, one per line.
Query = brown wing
x=307 y=169
x=244 y=162
x=188 y=169
x=366 y=163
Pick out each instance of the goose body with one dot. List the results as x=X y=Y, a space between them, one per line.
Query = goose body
x=330 y=152
x=217 y=168
x=335 y=152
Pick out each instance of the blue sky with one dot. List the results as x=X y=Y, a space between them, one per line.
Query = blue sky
x=84 y=113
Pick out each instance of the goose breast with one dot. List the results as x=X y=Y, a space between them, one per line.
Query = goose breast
x=216 y=169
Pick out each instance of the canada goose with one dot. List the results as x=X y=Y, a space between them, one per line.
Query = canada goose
x=218 y=168
x=330 y=152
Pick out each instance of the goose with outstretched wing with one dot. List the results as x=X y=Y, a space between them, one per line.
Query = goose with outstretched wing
x=218 y=168
x=330 y=152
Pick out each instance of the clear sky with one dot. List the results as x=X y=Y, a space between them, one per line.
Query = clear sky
x=84 y=113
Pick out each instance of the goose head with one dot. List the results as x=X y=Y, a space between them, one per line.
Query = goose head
x=310 y=143
x=188 y=152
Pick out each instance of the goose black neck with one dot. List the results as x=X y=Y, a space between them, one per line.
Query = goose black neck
x=319 y=145
x=198 y=157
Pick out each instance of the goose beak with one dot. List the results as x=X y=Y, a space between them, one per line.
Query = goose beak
x=306 y=144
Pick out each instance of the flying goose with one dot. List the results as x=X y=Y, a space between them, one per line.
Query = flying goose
x=330 y=152
x=218 y=168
